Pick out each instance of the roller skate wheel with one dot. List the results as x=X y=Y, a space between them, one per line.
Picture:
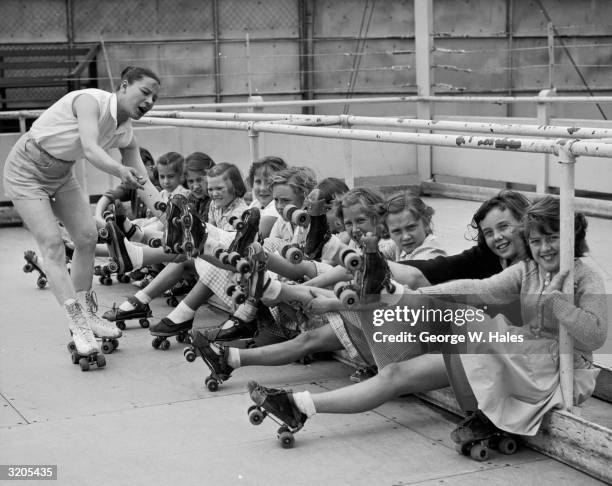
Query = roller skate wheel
x=507 y=445
x=224 y=258
x=479 y=452
x=164 y=345
x=113 y=267
x=338 y=288
x=103 y=233
x=155 y=242
x=180 y=338
x=123 y=278
x=217 y=252
x=349 y=297
x=230 y=290
x=74 y=357
x=288 y=212
x=286 y=438
x=27 y=268
x=239 y=297
x=84 y=364
x=172 y=301
x=160 y=206
x=243 y=266
x=106 y=281
x=100 y=361
x=144 y=323
x=156 y=342
x=97 y=270
x=463 y=449
x=41 y=282
x=211 y=384
x=233 y=258
x=300 y=218
x=107 y=347
x=352 y=261
x=71 y=346
x=178 y=248
x=238 y=224
x=256 y=416
x=294 y=255
x=120 y=325
x=188 y=247
x=189 y=354
x=115 y=343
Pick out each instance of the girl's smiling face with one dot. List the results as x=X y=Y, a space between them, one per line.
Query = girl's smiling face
x=406 y=232
x=501 y=233
x=261 y=187
x=197 y=183
x=357 y=223
x=220 y=191
x=545 y=249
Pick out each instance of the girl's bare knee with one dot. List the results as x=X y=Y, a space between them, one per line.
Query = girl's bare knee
x=52 y=250
x=85 y=239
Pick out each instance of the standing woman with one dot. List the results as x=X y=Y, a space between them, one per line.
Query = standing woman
x=39 y=179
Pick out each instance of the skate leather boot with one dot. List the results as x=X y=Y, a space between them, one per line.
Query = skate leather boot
x=114 y=238
x=280 y=406
x=167 y=328
x=101 y=328
x=371 y=276
x=215 y=358
x=318 y=231
x=475 y=426
x=118 y=316
x=194 y=231
x=82 y=335
x=247 y=232
x=173 y=234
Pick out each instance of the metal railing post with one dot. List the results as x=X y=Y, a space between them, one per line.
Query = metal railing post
x=543 y=116
x=423 y=43
x=567 y=163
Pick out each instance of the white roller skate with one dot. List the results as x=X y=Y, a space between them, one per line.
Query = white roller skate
x=102 y=329
x=83 y=347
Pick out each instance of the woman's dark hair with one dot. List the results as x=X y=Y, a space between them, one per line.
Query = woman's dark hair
x=198 y=162
x=407 y=202
x=513 y=201
x=172 y=159
x=134 y=73
x=230 y=173
x=544 y=216
x=270 y=164
x=331 y=187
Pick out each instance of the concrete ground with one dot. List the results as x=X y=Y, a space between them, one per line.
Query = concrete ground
x=147 y=418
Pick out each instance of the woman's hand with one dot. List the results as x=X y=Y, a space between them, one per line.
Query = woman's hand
x=557 y=282
x=321 y=303
x=131 y=178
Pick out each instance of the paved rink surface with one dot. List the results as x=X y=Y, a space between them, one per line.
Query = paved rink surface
x=147 y=418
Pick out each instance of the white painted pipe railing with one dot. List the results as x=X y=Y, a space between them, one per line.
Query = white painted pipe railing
x=516 y=144
x=400 y=122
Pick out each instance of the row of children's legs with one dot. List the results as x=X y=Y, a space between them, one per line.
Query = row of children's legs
x=275 y=319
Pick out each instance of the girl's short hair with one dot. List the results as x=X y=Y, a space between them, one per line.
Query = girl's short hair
x=407 y=202
x=301 y=179
x=146 y=156
x=513 y=201
x=544 y=216
x=270 y=164
x=134 y=73
x=369 y=201
x=173 y=160
x=198 y=162
x=331 y=188
x=230 y=174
